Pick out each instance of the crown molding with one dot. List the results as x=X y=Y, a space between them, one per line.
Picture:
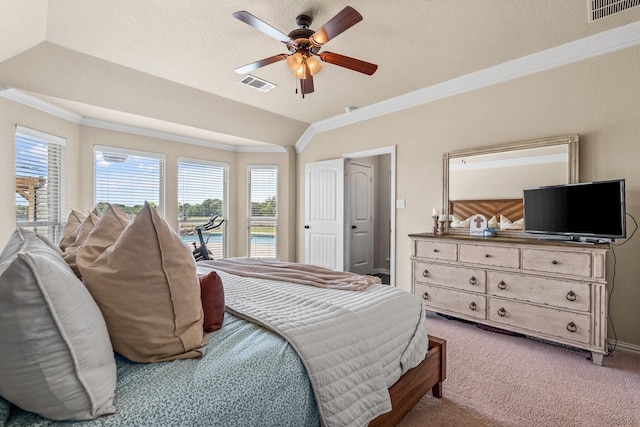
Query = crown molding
x=134 y=130
x=34 y=102
x=568 y=53
x=38 y=104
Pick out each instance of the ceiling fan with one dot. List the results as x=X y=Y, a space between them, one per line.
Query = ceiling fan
x=304 y=46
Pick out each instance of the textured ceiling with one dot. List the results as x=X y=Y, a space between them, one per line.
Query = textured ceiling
x=168 y=64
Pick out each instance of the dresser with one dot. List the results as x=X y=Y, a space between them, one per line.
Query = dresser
x=550 y=290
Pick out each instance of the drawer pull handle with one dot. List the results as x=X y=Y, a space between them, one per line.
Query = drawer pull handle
x=473 y=306
x=487 y=255
x=472 y=281
x=554 y=262
x=571 y=327
x=502 y=286
x=435 y=250
x=425 y=296
x=502 y=312
x=426 y=273
x=571 y=296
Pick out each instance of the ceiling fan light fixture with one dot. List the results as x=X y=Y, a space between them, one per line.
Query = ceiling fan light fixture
x=302 y=72
x=315 y=66
x=294 y=61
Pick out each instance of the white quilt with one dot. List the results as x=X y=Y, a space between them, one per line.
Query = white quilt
x=354 y=345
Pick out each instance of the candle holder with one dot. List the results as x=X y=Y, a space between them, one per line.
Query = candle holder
x=441 y=220
x=435 y=224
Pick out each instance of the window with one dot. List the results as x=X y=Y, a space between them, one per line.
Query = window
x=202 y=193
x=40 y=190
x=263 y=211
x=127 y=179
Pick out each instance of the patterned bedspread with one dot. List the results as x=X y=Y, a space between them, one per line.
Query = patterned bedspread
x=249 y=376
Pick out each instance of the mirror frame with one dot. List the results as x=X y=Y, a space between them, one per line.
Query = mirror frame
x=573 y=167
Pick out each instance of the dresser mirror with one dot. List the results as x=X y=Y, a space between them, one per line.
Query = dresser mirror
x=489 y=180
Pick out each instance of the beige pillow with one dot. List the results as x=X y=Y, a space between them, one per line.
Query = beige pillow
x=70 y=229
x=55 y=353
x=103 y=235
x=71 y=251
x=147 y=288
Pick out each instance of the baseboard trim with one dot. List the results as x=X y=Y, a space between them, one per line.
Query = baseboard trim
x=624 y=346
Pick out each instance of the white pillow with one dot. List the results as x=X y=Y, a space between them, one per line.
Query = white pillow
x=506 y=224
x=55 y=353
x=493 y=222
x=461 y=223
x=17 y=239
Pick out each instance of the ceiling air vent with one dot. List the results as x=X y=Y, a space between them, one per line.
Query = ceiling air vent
x=256 y=83
x=599 y=9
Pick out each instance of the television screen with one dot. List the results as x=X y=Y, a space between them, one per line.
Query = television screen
x=590 y=210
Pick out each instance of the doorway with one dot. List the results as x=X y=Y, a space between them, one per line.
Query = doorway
x=368 y=213
x=329 y=212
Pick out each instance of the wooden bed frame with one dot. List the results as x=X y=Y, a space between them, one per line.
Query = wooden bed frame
x=463 y=209
x=415 y=383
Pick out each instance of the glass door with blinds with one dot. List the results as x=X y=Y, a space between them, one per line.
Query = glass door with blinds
x=40 y=176
x=263 y=211
x=202 y=195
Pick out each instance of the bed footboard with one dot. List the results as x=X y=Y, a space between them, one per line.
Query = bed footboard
x=416 y=382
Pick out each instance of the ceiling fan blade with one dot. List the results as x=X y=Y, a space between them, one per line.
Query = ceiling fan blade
x=350 y=63
x=344 y=20
x=261 y=63
x=306 y=85
x=260 y=25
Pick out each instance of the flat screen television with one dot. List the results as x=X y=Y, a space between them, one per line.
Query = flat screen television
x=587 y=211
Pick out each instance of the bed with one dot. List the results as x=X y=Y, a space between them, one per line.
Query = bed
x=249 y=376
x=285 y=354
x=262 y=368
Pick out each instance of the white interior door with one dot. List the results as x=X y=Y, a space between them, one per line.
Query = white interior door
x=324 y=214
x=361 y=230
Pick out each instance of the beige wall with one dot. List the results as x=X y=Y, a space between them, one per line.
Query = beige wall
x=80 y=143
x=599 y=99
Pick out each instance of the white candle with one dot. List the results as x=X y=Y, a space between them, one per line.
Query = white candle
x=442 y=217
x=435 y=212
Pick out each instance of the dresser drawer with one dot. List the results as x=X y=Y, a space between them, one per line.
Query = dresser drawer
x=499 y=256
x=468 y=279
x=437 y=250
x=469 y=304
x=554 y=292
x=558 y=323
x=559 y=262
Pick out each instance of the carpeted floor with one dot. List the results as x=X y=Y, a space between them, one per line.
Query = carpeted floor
x=501 y=380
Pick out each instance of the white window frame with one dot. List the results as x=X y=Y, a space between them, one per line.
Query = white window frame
x=256 y=220
x=225 y=197
x=55 y=206
x=127 y=152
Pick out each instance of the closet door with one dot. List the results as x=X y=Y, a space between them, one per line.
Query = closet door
x=324 y=214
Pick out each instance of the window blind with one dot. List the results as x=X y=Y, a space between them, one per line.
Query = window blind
x=202 y=193
x=263 y=211
x=40 y=177
x=127 y=179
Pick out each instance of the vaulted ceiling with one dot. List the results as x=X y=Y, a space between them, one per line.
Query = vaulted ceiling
x=168 y=65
